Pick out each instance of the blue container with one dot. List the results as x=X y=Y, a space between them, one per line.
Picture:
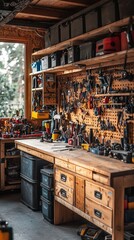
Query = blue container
x=36 y=66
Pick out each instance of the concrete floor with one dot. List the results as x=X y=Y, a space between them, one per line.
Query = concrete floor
x=30 y=225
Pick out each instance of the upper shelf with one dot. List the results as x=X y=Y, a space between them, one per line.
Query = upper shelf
x=101 y=61
x=83 y=37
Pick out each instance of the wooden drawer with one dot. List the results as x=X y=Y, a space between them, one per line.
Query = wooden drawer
x=99 y=212
x=64 y=178
x=101 y=178
x=84 y=172
x=64 y=192
x=102 y=195
x=65 y=164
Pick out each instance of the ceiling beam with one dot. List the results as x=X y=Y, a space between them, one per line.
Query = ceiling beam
x=45 y=12
x=78 y=3
x=17 y=8
x=30 y=23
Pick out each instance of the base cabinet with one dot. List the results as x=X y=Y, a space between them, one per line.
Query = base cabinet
x=9 y=165
x=86 y=197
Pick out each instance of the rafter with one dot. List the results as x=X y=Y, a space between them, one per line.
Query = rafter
x=78 y=3
x=29 y=23
x=19 y=6
x=50 y=13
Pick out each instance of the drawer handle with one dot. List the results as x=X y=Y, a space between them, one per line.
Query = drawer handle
x=63 y=193
x=63 y=177
x=97 y=213
x=97 y=194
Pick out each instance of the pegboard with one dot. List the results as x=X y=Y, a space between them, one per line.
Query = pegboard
x=70 y=90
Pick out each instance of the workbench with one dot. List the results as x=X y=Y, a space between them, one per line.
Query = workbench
x=88 y=185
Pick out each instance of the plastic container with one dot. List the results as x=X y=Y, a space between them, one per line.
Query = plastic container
x=55 y=59
x=77 y=26
x=30 y=193
x=65 y=31
x=47 y=210
x=92 y=20
x=54 y=34
x=47 y=177
x=45 y=62
x=47 y=193
x=30 y=166
x=73 y=54
x=126 y=8
x=87 y=50
x=109 y=12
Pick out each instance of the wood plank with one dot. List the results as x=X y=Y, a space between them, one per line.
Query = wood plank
x=80 y=193
x=84 y=215
x=79 y=3
x=63 y=215
x=118 y=216
x=84 y=37
x=101 y=165
x=92 y=62
x=44 y=13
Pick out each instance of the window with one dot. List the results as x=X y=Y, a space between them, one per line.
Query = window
x=12 y=61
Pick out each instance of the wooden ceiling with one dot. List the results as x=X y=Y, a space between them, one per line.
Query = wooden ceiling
x=39 y=13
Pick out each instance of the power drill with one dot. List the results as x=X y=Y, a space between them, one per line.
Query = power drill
x=6 y=232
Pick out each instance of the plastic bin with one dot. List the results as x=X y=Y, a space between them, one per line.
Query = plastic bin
x=92 y=20
x=126 y=8
x=45 y=62
x=54 y=34
x=55 y=59
x=47 y=177
x=47 y=192
x=47 y=210
x=65 y=31
x=30 y=193
x=77 y=26
x=30 y=166
x=87 y=50
x=109 y=12
x=73 y=54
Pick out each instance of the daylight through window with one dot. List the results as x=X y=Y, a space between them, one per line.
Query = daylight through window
x=11 y=79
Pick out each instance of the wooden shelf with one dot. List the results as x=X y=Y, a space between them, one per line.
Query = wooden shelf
x=83 y=37
x=114 y=94
x=108 y=59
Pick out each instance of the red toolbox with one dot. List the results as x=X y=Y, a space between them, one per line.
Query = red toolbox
x=108 y=45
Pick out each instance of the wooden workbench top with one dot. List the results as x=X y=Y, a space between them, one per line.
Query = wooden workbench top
x=96 y=163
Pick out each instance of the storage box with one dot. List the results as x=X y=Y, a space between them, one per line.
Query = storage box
x=109 y=12
x=64 y=59
x=55 y=59
x=108 y=45
x=55 y=34
x=47 y=39
x=77 y=26
x=65 y=31
x=129 y=215
x=30 y=166
x=36 y=66
x=126 y=8
x=92 y=20
x=87 y=50
x=47 y=192
x=30 y=193
x=47 y=177
x=40 y=115
x=73 y=54
x=46 y=62
x=47 y=210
